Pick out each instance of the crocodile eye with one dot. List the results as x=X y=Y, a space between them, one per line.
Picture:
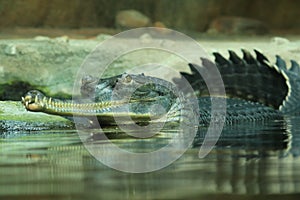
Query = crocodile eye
x=128 y=78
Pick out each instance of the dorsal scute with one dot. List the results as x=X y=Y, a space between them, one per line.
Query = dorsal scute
x=220 y=59
x=260 y=57
x=280 y=62
x=291 y=102
x=248 y=58
x=295 y=67
x=234 y=58
x=255 y=79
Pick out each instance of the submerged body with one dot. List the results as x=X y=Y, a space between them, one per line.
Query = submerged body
x=255 y=90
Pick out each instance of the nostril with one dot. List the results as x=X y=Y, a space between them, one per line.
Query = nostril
x=32 y=96
x=34 y=100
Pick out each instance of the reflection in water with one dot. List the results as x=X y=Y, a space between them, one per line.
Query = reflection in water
x=248 y=159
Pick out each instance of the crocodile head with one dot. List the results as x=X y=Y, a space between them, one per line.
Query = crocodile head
x=140 y=97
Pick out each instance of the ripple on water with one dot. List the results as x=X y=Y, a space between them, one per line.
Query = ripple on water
x=248 y=159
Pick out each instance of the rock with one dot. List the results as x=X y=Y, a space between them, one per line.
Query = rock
x=41 y=38
x=161 y=28
x=128 y=19
x=146 y=38
x=102 y=37
x=10 y=50
x=46 y=64
x=159 y=24
x=62 y=39
x=279 y=40
x=237 y=25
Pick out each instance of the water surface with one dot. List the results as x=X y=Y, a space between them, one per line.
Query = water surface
x=250 y=161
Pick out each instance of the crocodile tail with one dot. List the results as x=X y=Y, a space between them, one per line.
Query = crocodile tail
x=253 y=79
x=290 y=104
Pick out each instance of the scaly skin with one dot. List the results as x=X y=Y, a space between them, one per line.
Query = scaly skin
x=265 y=91
x=133 y=96
x=37 y=102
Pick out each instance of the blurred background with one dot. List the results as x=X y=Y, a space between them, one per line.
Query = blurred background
x=93 y=16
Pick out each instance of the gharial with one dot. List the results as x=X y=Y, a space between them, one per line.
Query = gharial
x=255 y=90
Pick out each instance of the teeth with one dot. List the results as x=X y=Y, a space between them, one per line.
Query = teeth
x=23 y=100
x=26 y=104
x=36 y=99
x=49 y=101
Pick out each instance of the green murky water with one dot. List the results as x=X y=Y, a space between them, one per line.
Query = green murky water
x=250 y=161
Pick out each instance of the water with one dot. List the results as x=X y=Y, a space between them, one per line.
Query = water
x=250 y=161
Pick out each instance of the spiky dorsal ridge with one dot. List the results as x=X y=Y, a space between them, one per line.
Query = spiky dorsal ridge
x=292 y=75
x=255 y=79
x=284 y=97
